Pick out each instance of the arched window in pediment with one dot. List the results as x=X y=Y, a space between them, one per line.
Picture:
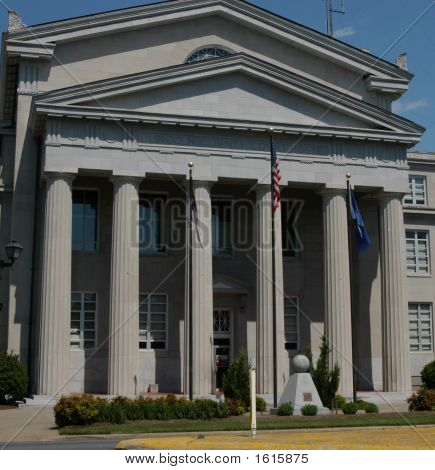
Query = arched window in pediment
x=206 y=53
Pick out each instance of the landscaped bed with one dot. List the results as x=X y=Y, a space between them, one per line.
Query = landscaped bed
x=242 y=423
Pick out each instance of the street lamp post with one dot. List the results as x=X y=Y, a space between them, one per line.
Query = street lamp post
x=13 y=252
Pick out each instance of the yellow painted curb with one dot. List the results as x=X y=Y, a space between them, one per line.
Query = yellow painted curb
x=371 y=439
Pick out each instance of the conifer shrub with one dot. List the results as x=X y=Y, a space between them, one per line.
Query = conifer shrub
x=326 y=378
x=13 y=378
x=236 y=380
x=428 y=375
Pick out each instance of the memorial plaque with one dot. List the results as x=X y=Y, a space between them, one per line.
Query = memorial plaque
x=308 y=397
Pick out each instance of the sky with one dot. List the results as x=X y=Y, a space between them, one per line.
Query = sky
x=384 y=27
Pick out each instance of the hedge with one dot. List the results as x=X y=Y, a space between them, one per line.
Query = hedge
x=87 y=409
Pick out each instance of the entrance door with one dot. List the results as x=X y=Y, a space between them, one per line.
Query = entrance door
x=221 y=342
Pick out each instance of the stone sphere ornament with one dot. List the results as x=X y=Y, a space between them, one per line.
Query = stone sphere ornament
x=301 y=363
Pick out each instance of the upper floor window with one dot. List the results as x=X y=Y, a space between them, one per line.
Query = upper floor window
x=83 y=320
x=153 y=311
x=207 y=53
x=222 y=228
x=291 y=323
x=291 y=242
x=420 y=327
x=417 y=251
x=417 y=191
x=152 y=223
x=84 y=222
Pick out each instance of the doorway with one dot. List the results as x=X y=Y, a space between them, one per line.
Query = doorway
x=222 y=342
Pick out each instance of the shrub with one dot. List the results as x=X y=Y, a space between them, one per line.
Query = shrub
x=86 y=409
x=309 y=410
x=338 y=401
x=286 y=409
x=236 y=380
x=423 y=400
x=428 y=375
x=350 y=408
x=325 y=379
x=81 y=410
x=371 y=408
x=260 y=404
x=235 y=407
x=361 y=404
x=13 y=378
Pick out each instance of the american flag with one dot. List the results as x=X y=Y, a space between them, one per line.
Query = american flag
x=276 y=176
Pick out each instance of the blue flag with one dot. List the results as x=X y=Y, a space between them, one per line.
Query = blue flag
x=362 y=237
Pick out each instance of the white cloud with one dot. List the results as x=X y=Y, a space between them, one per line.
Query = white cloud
x=403 y=107
x=344 y=32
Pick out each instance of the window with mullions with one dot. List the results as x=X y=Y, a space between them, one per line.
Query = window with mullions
x=420 y=327
x=222 y=228
x=417 y=251
x=83 y=320
x=207 y=53
x=84 y=221
x=417 y=191
x=291 y=323
x=152 y=224
x=291 y=242
x=153 y=313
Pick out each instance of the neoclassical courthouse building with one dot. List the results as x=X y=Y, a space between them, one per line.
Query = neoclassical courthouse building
x=100 y=116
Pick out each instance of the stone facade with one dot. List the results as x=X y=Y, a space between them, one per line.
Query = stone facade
x=101 y=116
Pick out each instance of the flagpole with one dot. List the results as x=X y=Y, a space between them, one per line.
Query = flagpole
x=190 y=283
x=352 y=306
x=275 y=373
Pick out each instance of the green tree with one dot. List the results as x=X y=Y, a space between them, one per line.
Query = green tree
x=325 y=378
x=236 y=380
x=13 y=378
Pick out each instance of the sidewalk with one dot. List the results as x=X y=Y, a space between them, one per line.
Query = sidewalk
x=27 y=424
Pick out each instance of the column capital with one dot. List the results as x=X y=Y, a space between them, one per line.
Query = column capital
x=332 y=191
x=206 y=184
x=54 y=175
x=131 y=179
x=389 y=195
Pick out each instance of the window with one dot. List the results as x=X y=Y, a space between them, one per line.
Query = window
x=152 y=224
x=417 y=251
x=207 y=53
x=84 y=223
x=153 y=312
x=83 y=319
x=417 y=191
x=221 y=228
x=420 y=327
x=291 y=242
x=291 y=323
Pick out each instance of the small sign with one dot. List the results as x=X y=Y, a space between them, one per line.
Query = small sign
x=308 y=397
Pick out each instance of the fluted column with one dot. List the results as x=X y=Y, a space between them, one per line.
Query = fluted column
x=202 y=295
x=338 y=322
x=124 y=288
x=54 y=338
x=395 y=339
x=264 y=296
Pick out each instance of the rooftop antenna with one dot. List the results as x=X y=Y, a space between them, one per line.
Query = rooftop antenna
x=330 y=10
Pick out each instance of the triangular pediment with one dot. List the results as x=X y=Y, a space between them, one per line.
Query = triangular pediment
x=237 y=11
x=237 y=88
x=228 y=285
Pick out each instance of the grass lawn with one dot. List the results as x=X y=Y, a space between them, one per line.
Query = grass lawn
x=264 y=423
